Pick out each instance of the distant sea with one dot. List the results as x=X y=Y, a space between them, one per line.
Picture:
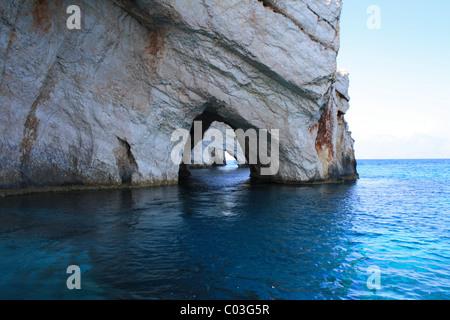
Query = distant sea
x=220 y=236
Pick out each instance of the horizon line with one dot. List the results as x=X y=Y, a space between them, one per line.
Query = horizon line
x=357 y=159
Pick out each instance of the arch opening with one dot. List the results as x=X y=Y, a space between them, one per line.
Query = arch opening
x=217 y=148
x=213 y=138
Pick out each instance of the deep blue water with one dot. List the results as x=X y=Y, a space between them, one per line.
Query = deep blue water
x=218 y=236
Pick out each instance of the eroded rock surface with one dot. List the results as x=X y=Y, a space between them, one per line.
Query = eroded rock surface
x=97 y=106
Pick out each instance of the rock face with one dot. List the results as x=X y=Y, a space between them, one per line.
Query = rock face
x=97 y=106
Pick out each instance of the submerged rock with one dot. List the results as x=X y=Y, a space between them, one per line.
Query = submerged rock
x=97 y=106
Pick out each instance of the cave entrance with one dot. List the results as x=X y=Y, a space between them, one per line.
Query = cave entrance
x=217 y=131
x=218 y=148
x=214 y=144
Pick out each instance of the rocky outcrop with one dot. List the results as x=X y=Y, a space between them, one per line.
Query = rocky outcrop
x=97 y=106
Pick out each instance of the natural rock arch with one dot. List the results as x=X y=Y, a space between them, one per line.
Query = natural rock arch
x=96 y=107
x=209 y=116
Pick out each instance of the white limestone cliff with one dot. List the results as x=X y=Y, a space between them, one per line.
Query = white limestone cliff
x=96 y=107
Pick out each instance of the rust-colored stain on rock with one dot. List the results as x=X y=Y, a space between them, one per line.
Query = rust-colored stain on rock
x=41 y=16
x=30 y=133
x=155 y=48
x=324 y=138
x=314 y=127
x=12 y=39
x=156 y=42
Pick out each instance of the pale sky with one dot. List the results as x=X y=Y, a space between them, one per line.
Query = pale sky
x=399 y=78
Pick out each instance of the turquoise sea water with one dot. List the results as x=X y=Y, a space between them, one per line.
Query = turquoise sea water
x=219 y=236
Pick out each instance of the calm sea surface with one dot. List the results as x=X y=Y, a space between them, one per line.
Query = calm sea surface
x=218 y=236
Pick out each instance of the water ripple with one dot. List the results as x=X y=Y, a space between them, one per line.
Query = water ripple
x=220 y=236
